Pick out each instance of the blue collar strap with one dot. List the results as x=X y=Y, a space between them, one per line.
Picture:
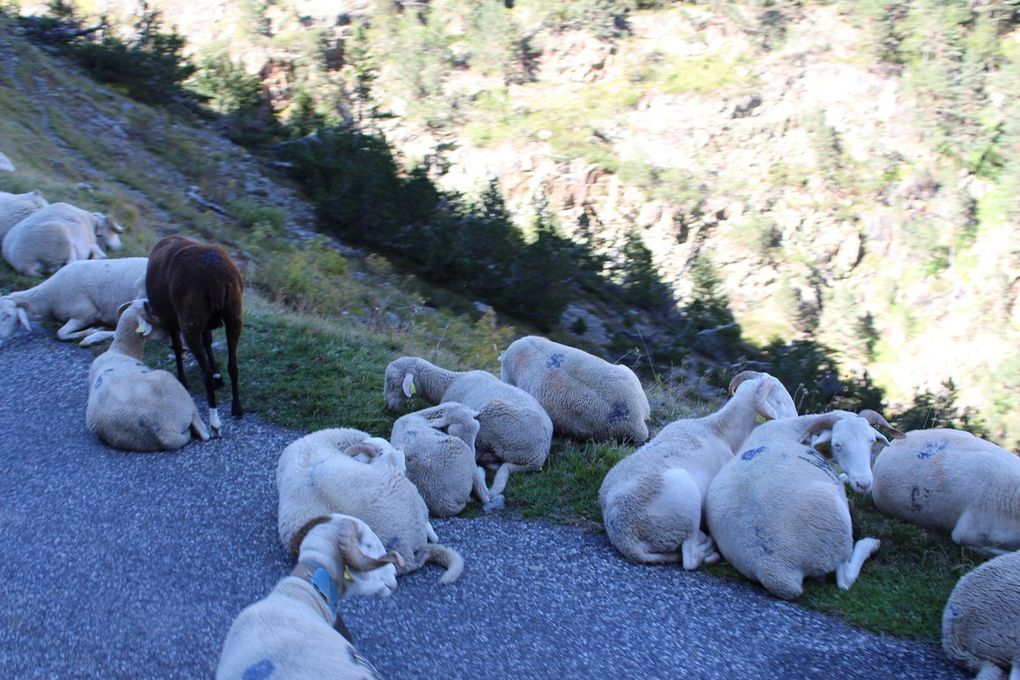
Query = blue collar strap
x=318 y=576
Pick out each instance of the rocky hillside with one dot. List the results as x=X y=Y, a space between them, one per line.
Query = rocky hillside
x=845 y=171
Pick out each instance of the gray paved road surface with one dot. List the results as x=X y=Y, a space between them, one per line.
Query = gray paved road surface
x=119 y=565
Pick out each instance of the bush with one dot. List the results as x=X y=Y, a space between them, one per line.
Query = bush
x=151 y=66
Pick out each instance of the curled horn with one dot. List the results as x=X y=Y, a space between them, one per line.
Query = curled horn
x=741 y=377
x=821 y=422
x=370 y=450
x=350 y=551
x=299 y=535
x=876 y=420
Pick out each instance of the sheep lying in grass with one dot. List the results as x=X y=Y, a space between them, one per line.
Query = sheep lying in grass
x=347 y=471
x=442 y=463
x=515 y=432
x=16 y=207
x=981 y=621
x=585 y=396
x=193 y=288
x=952 y=481
x=132 y=406
x=296 y=631
x=778 y=511
x=60 y=233
x=652 y=499
x=84 y=294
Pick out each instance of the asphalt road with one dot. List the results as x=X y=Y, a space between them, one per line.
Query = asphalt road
x=127 y=565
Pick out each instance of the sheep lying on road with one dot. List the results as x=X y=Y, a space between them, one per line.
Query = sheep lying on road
x=194 y=288
x=981 y=621
x=585 y=396
x=84 y=294
x=296 y=631
x=952 y=481
x=16 y=207
x=60 y=233
x=323 y=473
x=515 y=432
x=132 y=406
x=652 y=499
x=778 y=511
x=441 y=463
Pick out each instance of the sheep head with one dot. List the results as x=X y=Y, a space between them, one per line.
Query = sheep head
x=107 y=230
x=771 y=399
x=137 y=316
x=11 y=314
x=851 y=440
x=368 y=568
x=398 y=385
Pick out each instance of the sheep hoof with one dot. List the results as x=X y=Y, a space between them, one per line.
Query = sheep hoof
x=495 y=503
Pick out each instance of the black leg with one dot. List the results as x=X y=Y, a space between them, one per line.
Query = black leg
x=175 y=341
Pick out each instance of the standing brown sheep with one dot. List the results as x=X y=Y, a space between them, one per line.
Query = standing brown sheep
x=194 y=288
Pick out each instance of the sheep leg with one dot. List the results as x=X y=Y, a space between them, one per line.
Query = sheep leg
x=74 y=330
x=96 y=337
x=643 y=553
x=989 y=671
x=479 y=485
x=848 y=572
x=695 y=550
x=96 y=253
x=198 y=428
x=502 y=476
x=233 y=328
x=211 y=358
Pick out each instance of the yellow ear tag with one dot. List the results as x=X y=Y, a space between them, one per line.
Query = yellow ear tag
x=347 y=574
x=413 y=390
x=144 y=327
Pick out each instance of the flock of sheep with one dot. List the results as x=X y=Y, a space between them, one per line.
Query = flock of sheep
x=354 y=509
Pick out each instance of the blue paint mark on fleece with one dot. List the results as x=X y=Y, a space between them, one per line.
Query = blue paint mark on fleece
x=931 y=448
x=619 y=411
x=554 y=361
x=260 y=670
x=211 y=258
x=751 y=453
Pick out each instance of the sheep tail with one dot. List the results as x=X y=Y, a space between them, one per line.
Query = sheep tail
x=448 y=558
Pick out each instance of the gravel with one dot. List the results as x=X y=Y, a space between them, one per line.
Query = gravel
x=128 y=565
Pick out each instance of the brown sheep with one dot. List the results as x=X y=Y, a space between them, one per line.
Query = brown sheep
x=193 y=288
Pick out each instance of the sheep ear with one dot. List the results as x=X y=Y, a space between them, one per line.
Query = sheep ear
x=881 y=438
x=120 y=310
x=761 y=397
x=820 y=442
x=408 y=385
x=23 y=318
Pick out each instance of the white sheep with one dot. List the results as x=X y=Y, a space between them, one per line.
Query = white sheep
x=16 y=207
x=981 y=621
x=515 y=432
x=952 y=481
x=442 y=463
x=60 y=233
x=585 y=396
x=652 y=499
x=84 y=294
x=296 y=631
x=325 y=472
x=6 y=165
x=132 y=406
x=778 y=512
